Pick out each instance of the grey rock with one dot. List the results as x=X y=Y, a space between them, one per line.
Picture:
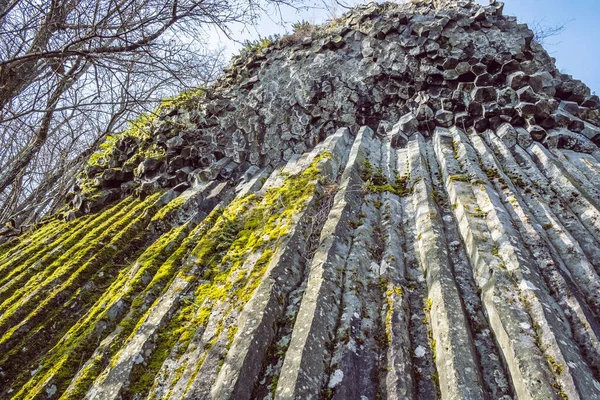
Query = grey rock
x=524 y=138
x=444 y=118
x=147 y=166
x=175 y=142
x=517 y=80
x=484 y=94
x=408 y=124
x=537 y=132
x=565 y=139
x=591 y=102
x=461 y=240
x=544 y=108
x=526 y=109
x=527 y=94
x=424 y=113
x=508 y=134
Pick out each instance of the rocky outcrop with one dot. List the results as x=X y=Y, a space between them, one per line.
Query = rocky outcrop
x=426 y=64
x=406 y=205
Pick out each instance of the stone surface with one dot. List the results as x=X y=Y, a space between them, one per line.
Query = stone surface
x=405 y=204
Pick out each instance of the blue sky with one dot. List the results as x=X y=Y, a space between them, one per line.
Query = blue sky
x=577 y=49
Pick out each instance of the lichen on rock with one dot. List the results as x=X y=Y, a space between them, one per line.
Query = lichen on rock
x=401 y=203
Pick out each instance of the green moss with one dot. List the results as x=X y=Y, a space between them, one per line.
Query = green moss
x=139 y=131
x=61 y=362
x=123 y=289
x=480 y=214
x=45 y=231
x=492 y=173
x=557 y=368
x=273 y=385
x=460 y=178
x=301 y=26
x=101 y=156
x=429 y=304
x=435 y=378
x=231 y=335
x=383 y=284
x=455 y=148
x=75 y=248
x=185 y=100
x=222 y=244
x=518 y=181
x=248 y=226
x=376 y=182
x=256 y=46
x=32 y=249
x=143 y=375
x=173 y=205
x=391 y=293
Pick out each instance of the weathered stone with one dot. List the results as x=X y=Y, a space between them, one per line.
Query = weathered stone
x=462 y=118
x=491 y=110
x=542 y=82
x=424 y=113
x=480 y=15
x=484 y=80
x=526 y=94
x=484 y=94
x=176 y=163
x=525 y=109
x=517 y=80
x=450 y=75
x=479 y=69
x=463 y=67
x=275 y=247
x=508 y=134
x=384 y=127
x=148 y=165
x=592 y=132
x=475 y=108
x=548 y=123
x=544 y=108
x=573 y=90
x=564 y=139
x=175 y=142
x=576 y=126
x=510 y=66
x=444 y=118
x=507 y=96
x=570 y=107
x=481 y=124
x=537 y=132
x=524 y=138
x=450 y=63
x=591 y=102
x=408 y=124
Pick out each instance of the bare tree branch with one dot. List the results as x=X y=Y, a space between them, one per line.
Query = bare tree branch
x=74 y=71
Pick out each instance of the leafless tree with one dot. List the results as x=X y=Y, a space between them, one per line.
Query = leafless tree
x=73 y=71
x=542 y=30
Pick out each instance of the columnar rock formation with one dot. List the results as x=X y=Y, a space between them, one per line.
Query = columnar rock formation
x=404 y=203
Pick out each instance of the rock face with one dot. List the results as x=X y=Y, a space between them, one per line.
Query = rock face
x=402 y=204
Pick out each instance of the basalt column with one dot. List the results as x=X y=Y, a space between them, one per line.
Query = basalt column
x=403 y=203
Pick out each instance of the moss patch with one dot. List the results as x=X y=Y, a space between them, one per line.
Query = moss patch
x=61 y=362
x=230 y=261
x=376 y=182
